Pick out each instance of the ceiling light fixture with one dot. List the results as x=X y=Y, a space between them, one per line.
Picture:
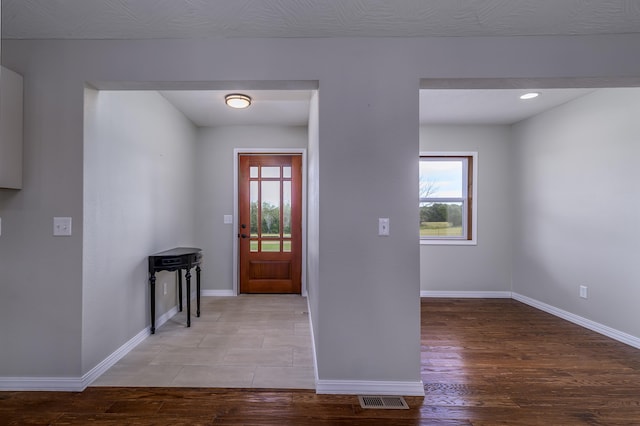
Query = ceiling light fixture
x=237 y=100
x=530 y=95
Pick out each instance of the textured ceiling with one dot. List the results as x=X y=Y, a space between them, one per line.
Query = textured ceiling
x=129 y=19
x=146 y=19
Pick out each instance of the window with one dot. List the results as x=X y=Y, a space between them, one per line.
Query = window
x=447 y=199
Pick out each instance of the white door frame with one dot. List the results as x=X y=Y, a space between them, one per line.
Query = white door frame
x=276 y=151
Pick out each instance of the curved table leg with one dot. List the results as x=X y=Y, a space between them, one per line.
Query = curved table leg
x=188 y=277
x=198 y=289
x=180 y=288
x=152 y=292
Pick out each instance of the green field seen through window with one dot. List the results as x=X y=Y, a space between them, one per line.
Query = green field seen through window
x=439 y=229
x=270 y=245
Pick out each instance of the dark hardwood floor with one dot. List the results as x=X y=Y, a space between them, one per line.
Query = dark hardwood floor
x=484 y=362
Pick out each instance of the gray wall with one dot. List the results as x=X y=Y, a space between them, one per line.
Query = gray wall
x=487 y=265
x=214 y=168
x=576 y=205
x=41 y=275
x=368 y=304
x=138 y=199
x=367 y=320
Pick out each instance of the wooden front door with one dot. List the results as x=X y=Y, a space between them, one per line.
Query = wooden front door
x=270 y=225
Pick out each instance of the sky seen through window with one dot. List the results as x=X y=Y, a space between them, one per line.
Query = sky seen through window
x=445 y=178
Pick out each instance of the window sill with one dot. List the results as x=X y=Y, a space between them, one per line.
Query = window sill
x=448 y=242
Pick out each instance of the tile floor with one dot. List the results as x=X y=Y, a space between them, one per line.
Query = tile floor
x=248 y=341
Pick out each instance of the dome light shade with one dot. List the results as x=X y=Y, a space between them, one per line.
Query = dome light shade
x=237 y=100
x=530 y=95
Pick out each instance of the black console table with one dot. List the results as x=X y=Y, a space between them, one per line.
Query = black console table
x=176 y=259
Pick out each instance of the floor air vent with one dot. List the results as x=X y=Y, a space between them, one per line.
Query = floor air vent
x=383 y=402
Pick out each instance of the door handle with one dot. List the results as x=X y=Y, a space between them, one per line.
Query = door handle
x=244 y=236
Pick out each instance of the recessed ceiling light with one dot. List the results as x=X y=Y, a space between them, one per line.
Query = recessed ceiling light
x=530 y=95
x=237 y=100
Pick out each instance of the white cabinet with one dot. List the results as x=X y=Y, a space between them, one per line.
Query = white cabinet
x=10 y=129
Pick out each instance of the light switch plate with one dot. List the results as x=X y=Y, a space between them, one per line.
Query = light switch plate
x=61 y=226
x=228 y=219
x=383 y=226
x=584 y=292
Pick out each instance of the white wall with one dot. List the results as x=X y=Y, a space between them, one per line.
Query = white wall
x=214 y=184
x=313 y=211
x=138 y=200
x=486 y=266
x=576 y=206
x=368 y=312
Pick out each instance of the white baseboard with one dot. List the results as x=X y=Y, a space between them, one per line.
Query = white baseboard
x=348 y=387
x=583 y=322
x=218 y=293
x=165 y=317
x=116 y=356
x=467 y=294
x=366 y=387
x=360 y=387
x=78 y=384
x=119 y=353
x=576 y=319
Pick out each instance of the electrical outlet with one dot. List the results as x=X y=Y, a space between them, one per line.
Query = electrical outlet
x=383 y=226
x=61 y=226
x=164 y=289
x=584 y=291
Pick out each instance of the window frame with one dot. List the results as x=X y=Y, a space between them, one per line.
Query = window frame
x=470 y=214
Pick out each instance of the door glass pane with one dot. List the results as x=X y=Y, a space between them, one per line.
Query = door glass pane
x=286 y=171
x=271 y=172
x=286 y=206
x=253 y=245
x=270 y=209
x=441 y=219
x=253 y=201
x=286 y=246
x=253 y=171
x=270 y=245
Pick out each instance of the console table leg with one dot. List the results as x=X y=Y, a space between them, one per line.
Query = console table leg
x=180 y=287
x=152 y=291
x=198 y=289
x=188 y=277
